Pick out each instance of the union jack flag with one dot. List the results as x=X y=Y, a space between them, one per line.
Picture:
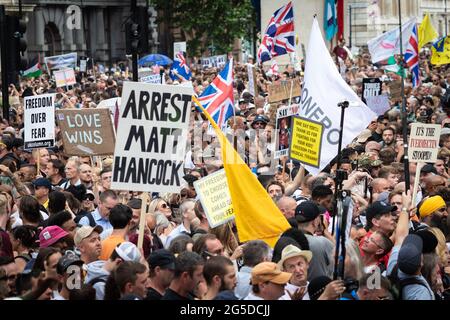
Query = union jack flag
x=217 y=98
x=279 y=36
x=180 y=70
x=412 y=57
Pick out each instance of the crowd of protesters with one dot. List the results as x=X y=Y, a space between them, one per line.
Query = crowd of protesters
x=65 y=235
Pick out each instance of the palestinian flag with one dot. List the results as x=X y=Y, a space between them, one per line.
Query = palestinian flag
x=33 y=72
x=390 y=65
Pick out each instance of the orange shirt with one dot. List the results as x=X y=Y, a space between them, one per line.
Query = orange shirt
x=108 y=246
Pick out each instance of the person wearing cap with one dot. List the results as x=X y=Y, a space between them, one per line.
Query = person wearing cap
x=42 y=188
x=87 y=205
x=268 y=282
x=220 y=276
x=66 y=271
x=409 y=260
x=120 y=219
x=87 y=240
x=259 y=122
x=162 y=265
x=98 y=271
x=295 y=261
x=433 y=212
x=54 y=236
x=379 y=217
x=309 y=221
x=188 y=276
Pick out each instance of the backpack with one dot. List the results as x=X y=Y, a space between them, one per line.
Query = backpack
x=398 y=285
x=96 y=280
x=90 y=217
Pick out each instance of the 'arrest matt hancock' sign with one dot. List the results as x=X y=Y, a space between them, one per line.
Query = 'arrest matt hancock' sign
x=424 y=142
x=151 y=137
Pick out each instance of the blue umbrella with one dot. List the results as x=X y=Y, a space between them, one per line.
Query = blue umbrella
x=153 y=59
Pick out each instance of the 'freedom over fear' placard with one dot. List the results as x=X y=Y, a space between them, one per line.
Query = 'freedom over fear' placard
x=39 y=121
x=151 y=137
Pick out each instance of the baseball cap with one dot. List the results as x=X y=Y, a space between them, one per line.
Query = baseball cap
x=363 y=136
x=410 y=254
x=291 y=251
x=269 y=272
x=51 y=235
x=306 y=211
x=162 y=258
x=89 y=195
x=128 y=251
x=317 y=286
x=67 y=260
x=429 y=240
x=42 y=182
x=84 y=232
x=135 y=203
x=428 y=168
x=260 y=118
x=378 y=208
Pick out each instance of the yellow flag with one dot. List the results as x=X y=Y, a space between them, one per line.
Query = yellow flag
x=440 y=51
x=256 y=215
x=427 y=33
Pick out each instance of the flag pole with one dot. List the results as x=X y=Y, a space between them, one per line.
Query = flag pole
x=404 y=115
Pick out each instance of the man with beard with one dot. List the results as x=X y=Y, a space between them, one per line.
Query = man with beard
x=388 y=138
x=220 y=277
x=433 y=213
x=162 y=266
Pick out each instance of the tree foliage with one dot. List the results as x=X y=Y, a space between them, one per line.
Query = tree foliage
x=206 y=23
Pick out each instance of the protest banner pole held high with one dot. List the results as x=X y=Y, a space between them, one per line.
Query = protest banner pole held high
x=404 y=115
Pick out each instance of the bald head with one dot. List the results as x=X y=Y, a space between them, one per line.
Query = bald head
x=373 y=146
x=432 y=182
x=380 y=185
x=287 y=206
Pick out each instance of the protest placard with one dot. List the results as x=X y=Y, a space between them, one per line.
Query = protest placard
x=39 y=121
x=423 y=147
x=215 y=198
x=395 y=88
x=214 y=61
x=152 y=78
x=86 y=132
x=424 y=142
x=378 y=104
x=283 y=129
x=306 y=141
x=371 y=87
x=65 y=77
x=252 y=84
x=279 y=92
x=63 y=61
x=178 y=47
x=151 y=137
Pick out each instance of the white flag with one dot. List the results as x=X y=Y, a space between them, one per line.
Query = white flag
x=388 y=44
x=323 y=89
